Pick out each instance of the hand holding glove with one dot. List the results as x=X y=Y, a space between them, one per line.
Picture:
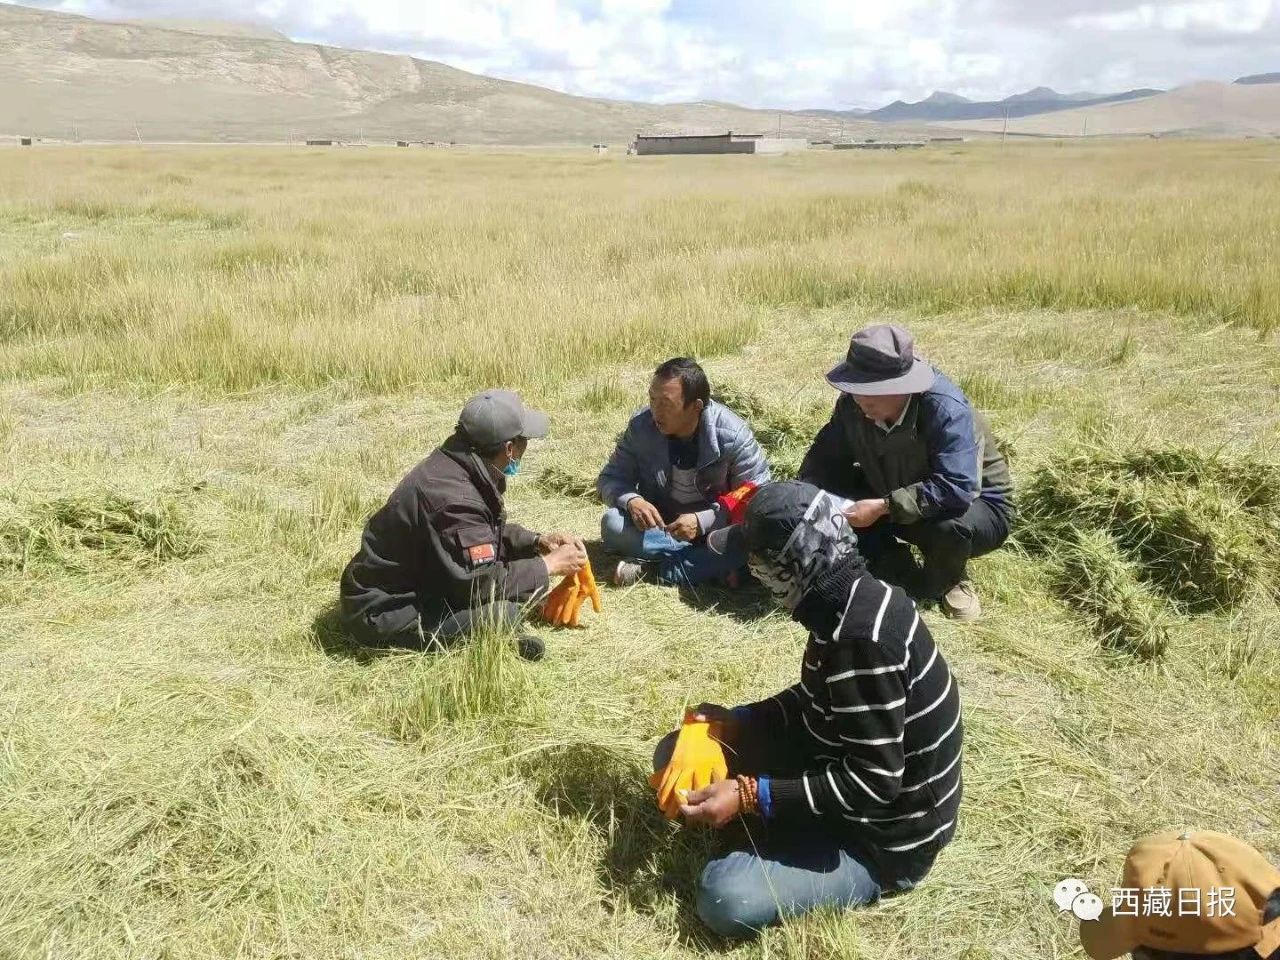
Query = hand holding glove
x=697 y=762
x=564 y=603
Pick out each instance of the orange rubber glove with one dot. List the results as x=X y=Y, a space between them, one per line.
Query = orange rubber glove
x=587 y=580
x=563 y=605
x=553 y=606
x=697 y=761
x=571 y=603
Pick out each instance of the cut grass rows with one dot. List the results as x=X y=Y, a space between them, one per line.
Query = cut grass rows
x=198 y=764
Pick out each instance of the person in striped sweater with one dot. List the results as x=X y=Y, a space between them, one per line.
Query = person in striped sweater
x=856 y=769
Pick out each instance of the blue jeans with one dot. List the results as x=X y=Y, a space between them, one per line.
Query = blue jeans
x=787 y=869
x=679 y=563
x=746 y=890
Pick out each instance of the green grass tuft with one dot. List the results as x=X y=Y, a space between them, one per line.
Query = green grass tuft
x=483 y=678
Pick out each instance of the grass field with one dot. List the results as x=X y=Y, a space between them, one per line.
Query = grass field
x=215 y=363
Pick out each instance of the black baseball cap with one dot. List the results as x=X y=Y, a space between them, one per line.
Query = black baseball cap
x=772 y=516
x=496 y=416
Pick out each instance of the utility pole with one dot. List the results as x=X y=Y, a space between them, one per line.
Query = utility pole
x=1004 y=134
x=1086 y=126
x=779 y=126
x=137 y=132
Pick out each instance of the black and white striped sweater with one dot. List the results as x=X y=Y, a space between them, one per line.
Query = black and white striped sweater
x=878 y=714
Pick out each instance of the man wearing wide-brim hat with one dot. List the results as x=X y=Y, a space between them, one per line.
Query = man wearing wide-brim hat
x=920 y=465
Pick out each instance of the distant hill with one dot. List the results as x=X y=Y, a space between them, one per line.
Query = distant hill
x=213 y=28
x=1049 y=95
x=65 y=76
x=1260 y=78
x=1206 y=109
x=1040 y=100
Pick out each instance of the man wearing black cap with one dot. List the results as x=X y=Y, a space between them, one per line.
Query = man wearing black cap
x=440 y=559
x=855 y=771
x=918 y=462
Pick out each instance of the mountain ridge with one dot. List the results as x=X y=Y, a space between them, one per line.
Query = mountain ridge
x=1018 y=105
x=72 y=77
x=1258 y=78
x=1201 y=109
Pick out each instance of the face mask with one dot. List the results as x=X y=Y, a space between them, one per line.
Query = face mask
x=781 y=586
x=512 y=468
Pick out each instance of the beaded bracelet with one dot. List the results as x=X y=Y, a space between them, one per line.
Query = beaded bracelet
x=748 y=795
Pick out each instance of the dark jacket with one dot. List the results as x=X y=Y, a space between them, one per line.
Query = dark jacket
x=874 y=725
x=441 y=542
x=728 y=456
x=933 y=464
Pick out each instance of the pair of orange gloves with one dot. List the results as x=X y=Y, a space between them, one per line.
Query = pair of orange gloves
x=564 y=604
x=696 y=762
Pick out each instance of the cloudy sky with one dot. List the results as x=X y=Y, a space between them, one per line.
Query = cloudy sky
x=773 y=53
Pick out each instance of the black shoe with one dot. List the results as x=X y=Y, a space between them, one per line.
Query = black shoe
x=530 y=647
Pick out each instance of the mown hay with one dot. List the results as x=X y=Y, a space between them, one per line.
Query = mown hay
x=1196 y=528
x=77 y=532
x=567 y=483
x=1104 y=587
x=1256 y=484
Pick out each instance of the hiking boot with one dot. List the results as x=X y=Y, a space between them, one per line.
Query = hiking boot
x=530 y=647
x=961 y=602
x=627 y=573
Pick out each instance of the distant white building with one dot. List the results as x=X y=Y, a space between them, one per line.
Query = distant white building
x=729 y=142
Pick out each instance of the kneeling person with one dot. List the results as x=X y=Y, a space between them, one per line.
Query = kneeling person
x=662 y=484
x=440 y=559
x=920 y=464
x=856 y=769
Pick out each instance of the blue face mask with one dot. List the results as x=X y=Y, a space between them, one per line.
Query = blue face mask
x=512 y=468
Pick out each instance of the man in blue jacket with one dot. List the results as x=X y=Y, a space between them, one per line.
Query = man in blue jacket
x=918 y=462
x=661 y=485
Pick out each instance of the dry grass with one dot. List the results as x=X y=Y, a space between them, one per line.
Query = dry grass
x=208 y=389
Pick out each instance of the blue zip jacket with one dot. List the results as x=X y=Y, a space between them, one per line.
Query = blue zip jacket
x=728 y=456
x=934 y=464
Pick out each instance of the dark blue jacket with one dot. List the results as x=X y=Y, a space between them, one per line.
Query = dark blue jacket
x=935 y=463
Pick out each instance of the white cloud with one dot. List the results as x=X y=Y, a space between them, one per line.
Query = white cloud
x=820 y=53
x=1232 y=16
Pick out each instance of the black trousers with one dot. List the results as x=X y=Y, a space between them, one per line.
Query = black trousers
x=406 y=627
x=947 y=544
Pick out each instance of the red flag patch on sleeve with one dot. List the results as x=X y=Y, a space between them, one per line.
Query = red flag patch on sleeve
x=481 y=554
